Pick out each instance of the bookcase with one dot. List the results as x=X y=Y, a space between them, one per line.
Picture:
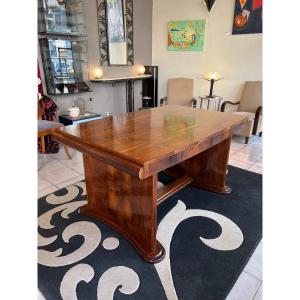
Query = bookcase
x=64 y=51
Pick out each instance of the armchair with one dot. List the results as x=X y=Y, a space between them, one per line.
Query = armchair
x=251 y=104
x=180 y=92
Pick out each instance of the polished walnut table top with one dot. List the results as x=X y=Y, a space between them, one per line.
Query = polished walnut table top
x=148 y=141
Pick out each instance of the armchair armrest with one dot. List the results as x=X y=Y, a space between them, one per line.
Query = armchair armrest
x=256 y=119
x=228 y=102
x=163 y=101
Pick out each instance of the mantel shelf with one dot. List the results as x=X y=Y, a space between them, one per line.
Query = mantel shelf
x=124 y=78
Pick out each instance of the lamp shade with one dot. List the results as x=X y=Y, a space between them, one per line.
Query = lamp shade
x=98 y=73
x=213 y=75
x=141 y=70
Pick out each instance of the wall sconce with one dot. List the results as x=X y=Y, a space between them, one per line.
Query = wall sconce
x=98 y=73
x=141 y=70
x=212 y=77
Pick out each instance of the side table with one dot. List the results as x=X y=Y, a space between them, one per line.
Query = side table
x=217 y=100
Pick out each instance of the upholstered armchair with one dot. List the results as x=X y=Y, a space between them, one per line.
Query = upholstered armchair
x=180 y=92
x=251 y=104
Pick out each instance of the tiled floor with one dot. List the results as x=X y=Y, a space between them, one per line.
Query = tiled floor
x=55 y=171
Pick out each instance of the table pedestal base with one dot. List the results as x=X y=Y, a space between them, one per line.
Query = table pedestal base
x=207 y=169
x=129 y=205
x=125 y=203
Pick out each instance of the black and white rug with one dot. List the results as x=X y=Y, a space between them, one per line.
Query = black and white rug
x=208 y=238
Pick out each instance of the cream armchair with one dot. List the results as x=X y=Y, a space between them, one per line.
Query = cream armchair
x=180 y=92
x=250 y=103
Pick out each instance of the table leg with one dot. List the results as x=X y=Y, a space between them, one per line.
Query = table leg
x=208 y=169
x=125 y=203
x=219 y=103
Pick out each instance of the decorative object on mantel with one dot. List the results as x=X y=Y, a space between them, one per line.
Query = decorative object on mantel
x=212 y=77
x=247 y=17
x=141 y=70
x=98 y=73
x=209 y=4
x=186 y=35
x=104 y=45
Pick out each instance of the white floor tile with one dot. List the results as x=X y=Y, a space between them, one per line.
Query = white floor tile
x=62 y=154
x=47 y=191
x=257 y=169
x=69 y=181
x=259 y=294
x=49 y=165
x=59 y=175
x=248 y=157
x=239 y=164
x=259 y=162
x=254 y=266
x=75 y=159
x=237 y=146
x=43 y=184
x=245 y=288
x=76 y=165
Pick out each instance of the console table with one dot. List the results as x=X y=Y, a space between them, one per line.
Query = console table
x=122 y=156
x=130 y=80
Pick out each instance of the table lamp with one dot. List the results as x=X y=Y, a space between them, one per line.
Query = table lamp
x=98 y=73
x=141 y=70
x=212 y=77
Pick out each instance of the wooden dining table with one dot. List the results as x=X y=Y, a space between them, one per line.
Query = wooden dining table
x=123 y=155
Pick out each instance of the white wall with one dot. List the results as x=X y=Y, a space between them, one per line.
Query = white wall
x=105 y=97
x=237 y=57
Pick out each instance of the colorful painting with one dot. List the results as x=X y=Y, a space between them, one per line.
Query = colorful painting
x=186 y=35
x=115 y=21
x=247 y=17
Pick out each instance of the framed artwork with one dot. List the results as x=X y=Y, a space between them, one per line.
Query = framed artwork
x=247 y=17
x=186 y=35
x=115 y=21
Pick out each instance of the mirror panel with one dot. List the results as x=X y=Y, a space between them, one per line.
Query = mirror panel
x=116 y=33
x=115 y=27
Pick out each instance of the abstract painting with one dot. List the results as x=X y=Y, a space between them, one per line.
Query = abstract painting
x=247 y=17
x=186 y=35
x=115 y=21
